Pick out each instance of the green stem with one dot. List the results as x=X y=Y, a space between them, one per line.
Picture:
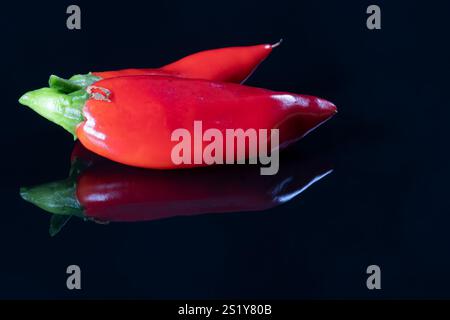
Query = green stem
x=63 y=85
x=84 y=80
x=58 y=107
x=74 y=83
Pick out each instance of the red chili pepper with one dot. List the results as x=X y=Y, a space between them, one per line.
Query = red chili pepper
x=231 y=64
x=101 y=190
x=131 y=119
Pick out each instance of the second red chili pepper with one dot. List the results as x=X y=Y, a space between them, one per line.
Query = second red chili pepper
x=230 y=64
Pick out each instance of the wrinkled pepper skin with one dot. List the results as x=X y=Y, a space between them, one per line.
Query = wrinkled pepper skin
x=231 y=64
x=134 y=123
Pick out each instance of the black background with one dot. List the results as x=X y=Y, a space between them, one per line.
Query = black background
x=385 y=203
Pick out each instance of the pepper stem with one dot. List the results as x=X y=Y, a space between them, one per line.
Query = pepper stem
x=84 y=80
x=74 y=83
x=58 y=107
x=63 y=85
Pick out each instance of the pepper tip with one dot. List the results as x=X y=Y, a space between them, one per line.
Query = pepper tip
x=24 y=99
x=276 y=44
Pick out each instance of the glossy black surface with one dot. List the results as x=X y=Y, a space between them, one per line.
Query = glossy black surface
x=385 y=203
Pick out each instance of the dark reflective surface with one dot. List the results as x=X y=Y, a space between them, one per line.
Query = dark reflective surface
x=385 y=202
x=104 y=191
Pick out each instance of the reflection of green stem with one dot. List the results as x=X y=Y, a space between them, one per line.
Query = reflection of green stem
x=58 y=198
x=57 y=222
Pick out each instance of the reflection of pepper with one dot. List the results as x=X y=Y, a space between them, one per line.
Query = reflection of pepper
x=105 y=191
x=131 y=119
x=232 y=64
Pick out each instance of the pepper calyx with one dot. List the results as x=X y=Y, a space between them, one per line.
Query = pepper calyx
x=63 y=109
x=74 y=83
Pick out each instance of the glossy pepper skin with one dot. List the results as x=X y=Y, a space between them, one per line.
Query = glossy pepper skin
x=100 y=190
x=131 y=119
x=230 y=64
x=134 y=124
